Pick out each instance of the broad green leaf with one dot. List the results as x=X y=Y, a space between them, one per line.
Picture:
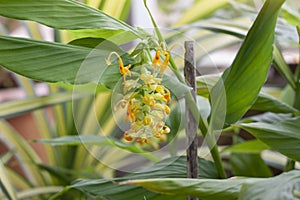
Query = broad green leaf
x=208 y=189
x=116 y=36
x=249 y=165
x=269 y=117
x=18 y=107
x=264 y=102
x=282 y=136
x=248 y=72
x=55 y=62
x=238 y=31
x=171 y=167
x=284 y=186
x=63 y=14
x=200 y=9
x=252 y=146
x=267 y=103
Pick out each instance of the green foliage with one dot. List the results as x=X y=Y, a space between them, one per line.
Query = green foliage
x=55 y=62
x=283 y=135
x=84 y=144
x=250 y=67
x=171 y=167
x=72 y=14
x=279 y=187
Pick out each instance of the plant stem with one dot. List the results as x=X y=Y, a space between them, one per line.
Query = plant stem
x=158 y=33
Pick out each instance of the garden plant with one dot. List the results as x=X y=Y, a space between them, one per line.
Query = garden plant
x=118 y=96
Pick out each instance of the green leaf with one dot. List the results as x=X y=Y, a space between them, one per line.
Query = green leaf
x=252 y=146
x=18 y=107
x=290 y=15
x=249 y=165
x=55 y=62
x=207 y=189
x=284 y=186
x=63 y=14
x=115 y=36
x=282 y=136
x=171 y=167
x=267 y=103
x=283 y=68
x=248 y=72
x=264 y=102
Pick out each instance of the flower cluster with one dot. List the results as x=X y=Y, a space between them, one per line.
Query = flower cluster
x=145 y=100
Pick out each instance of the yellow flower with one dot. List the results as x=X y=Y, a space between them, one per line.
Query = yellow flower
x=156 y=60
x=148 y=120
x=165 y=64
x=147 y=104
x=148 y=100
x=123 y=70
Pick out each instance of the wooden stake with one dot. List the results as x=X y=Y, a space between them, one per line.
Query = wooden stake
x=191 y=122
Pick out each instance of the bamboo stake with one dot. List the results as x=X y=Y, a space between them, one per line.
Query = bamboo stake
x=191 y=122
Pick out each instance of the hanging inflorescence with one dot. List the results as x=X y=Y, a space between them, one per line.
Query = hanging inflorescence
x=145 y=100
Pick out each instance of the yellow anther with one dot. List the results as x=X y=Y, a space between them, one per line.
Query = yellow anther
x=148 y=100
x=165 y=64
x=160 y=89
x=160 y=125
x=166 y=130
x=167 y=95
x=167 y=109
x=142 y=140
x=156 y=60
x=127 y=137
x=147 y=120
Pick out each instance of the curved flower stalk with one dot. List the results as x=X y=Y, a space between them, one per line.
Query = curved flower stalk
x=145 y=99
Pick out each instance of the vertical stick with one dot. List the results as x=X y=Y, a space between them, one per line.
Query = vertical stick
x=191 y=122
